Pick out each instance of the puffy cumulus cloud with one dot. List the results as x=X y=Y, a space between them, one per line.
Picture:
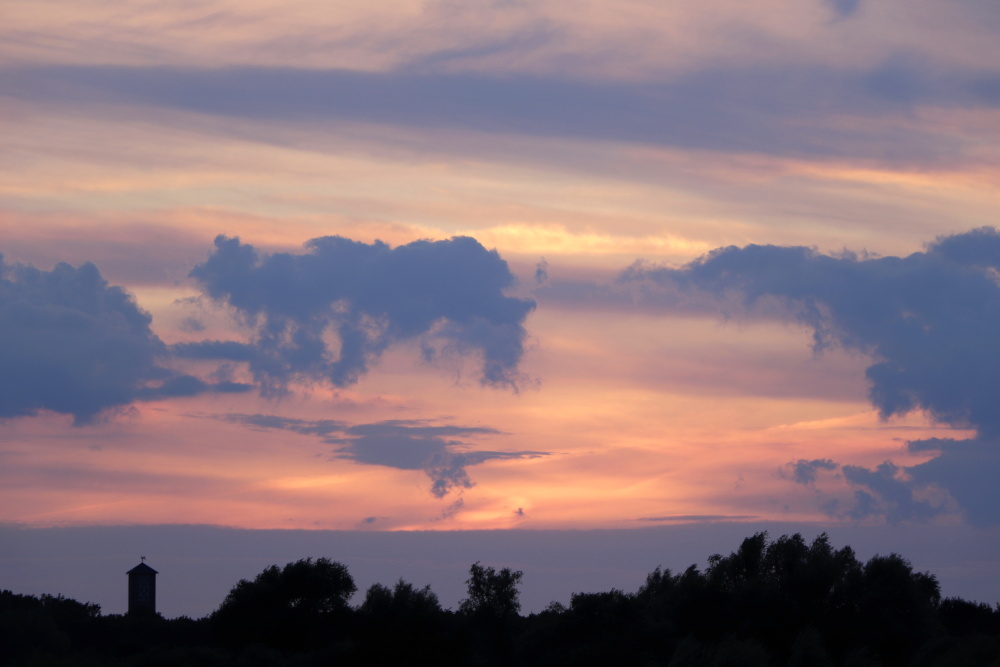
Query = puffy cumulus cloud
x=73 y=344
x=889 y=493
x=328 y=313
x=435 y=449
x=930 y=322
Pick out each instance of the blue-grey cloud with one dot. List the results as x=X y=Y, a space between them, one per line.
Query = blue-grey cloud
x=896 y=494
x=930 y=322
x=321 y=427
x=440 y=450
x=188 y=385
x=72 y=343
x=542 y=272
x=804 y=471
x=968 y=469
x=965 y=468
x=783 y=110
x=192 y=324
x=443 y=294
x=451 y=510
x=213 y=349
x=843 y=8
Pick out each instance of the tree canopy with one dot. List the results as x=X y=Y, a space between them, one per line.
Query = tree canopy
x=285 y=606
x=491 y=593
x=782 y=602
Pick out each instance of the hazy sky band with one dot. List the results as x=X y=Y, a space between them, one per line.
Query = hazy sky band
x=790 y=111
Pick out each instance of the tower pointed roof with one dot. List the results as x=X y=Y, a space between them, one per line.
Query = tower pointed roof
x=142 y=568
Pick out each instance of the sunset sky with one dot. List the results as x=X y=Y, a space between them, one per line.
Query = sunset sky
x=491 y=265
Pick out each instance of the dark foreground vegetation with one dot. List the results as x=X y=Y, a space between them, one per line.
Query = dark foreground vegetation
x=782 y=602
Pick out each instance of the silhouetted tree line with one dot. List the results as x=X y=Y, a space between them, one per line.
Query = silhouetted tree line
x=776 y=603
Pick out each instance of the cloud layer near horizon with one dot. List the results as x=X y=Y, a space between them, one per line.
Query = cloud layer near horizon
x=929 y=321
x=402 y=444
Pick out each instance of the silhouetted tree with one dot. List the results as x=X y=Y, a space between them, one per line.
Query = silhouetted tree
x=491 y=610
x=963 y=618
x=411 y=616
x=610 y=623
x=26 y=626
x=492 y=594
x=299 y=605
x=896 y=608
x=402 y=608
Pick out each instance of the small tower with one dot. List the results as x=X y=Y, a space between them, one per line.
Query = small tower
x=142 y=589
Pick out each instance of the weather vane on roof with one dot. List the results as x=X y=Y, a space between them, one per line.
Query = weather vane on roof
x=142 y=558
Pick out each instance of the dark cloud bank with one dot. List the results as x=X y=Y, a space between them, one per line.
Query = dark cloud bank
x=447 y=295
x=404 y=444
x=929 y=321
x=73 y=344
x=70 y=343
